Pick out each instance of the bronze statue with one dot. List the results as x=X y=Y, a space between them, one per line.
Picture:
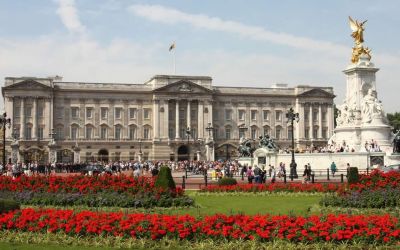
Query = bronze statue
x=245 y=148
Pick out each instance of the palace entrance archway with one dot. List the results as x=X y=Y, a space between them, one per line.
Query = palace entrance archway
x=103 y=155
x=183 y=153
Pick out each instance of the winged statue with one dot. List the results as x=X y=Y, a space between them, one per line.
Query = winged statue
x=358 y=30
x=358 y=35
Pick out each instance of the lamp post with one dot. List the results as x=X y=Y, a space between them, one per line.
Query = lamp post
x=5 y=123
x=291 y=117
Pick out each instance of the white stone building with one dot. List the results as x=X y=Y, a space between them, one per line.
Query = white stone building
x=111 y=121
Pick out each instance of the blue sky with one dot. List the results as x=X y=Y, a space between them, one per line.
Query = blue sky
x=238 y=43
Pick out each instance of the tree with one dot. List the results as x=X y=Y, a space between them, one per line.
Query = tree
x=394 y=120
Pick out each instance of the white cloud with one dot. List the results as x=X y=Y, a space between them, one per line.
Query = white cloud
x=158 y=13
x=69 y=16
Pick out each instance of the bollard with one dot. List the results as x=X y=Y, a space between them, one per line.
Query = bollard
x=341 y=178
x=284 y=178
x=327 y=173
x=185 y=172
x=205 y=180
x=312 y=178
x=183 y=182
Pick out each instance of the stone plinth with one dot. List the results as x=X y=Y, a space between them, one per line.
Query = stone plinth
x=264 y=157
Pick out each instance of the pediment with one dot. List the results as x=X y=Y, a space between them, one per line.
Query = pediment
x=183 y=87
x=29 y=84
x=316 y=93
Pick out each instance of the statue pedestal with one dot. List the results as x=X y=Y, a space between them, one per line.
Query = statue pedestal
x=264 y=157
x=245 y=161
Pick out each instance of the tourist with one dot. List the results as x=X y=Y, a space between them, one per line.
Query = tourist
x=273 y=174
x=257 y=171
x=306 y=174
x=250 y=175
x=333 y=168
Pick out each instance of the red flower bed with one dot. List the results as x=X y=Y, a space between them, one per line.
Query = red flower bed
x=276 y=187
x=332 y=228
x=77 y=183
x=377 y=180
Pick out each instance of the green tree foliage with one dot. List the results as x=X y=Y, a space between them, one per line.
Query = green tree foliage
x=394 y=120
x=164 y=179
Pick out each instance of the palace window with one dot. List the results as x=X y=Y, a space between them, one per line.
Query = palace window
x=89 y=132
x=146 y=113
x=28 y=132
x=227 y=133
x=307 y=133
x=228 y=114
x=324 y=114
x=171 y=133
x=266 y=115
x=104 y=113
x=118 y=112
x=28 y=111
x=103 y=132
x=40 y=111
x=278 y=132
x=74 y=133
x=242 y=115
x=89 y=113
x=253 y=133
x=59 y=133
x=118 y=132
x=325 y=133
x=278 y=115
x=267 y=130
x=254 y=115
x=132 y=132
x=59 y=113
x=193 y=114
x=306 y=115
x=241 y=133
x=74 y=112
x=315 y=115
x=17 y=111
x=132 y=113
x=40 y=133
x=315 y=132
x=146 y=133
x=290 y=133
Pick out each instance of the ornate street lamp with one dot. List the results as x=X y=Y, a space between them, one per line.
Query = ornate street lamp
x=5 y=123
x=291 y=117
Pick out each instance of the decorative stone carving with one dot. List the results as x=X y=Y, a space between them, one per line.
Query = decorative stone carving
x=371 y=107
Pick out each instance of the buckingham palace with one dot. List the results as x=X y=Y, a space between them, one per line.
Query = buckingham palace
x=168 y=117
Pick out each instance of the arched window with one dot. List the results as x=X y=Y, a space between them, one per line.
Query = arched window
x=118 y=132
x=88 y=132
x=28 y=131
x=147 y=132
x=132 y=132
x=290 y=132
x=278 y=132
x=267 y=130
x=103 y=132
x=59 y=132
x=254 y=132
x=228 y=131
x=74 y=131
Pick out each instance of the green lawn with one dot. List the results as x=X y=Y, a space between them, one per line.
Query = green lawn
x=230 y=204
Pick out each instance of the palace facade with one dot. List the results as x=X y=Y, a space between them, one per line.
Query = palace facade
x=80 y=121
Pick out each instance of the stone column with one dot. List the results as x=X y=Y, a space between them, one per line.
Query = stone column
x=210 y=113
x=273 y=121
x=22 y=132
x=34 y=119
x=301 y=123
x=177 y=136
x=200 y=120
x=310 y=117
x=188 y=114
x=47 y=110
x=9 y=109
x=330 y=120
x=156 y=118
x=320 y=121
x=166 y=120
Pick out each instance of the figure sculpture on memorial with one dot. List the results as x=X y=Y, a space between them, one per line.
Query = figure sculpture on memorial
x=267 y=142
x=358 y=35
x=245 y=149
x=371 y=106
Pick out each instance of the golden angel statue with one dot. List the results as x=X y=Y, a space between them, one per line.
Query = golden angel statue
x=358 y=35
x=358 y=30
